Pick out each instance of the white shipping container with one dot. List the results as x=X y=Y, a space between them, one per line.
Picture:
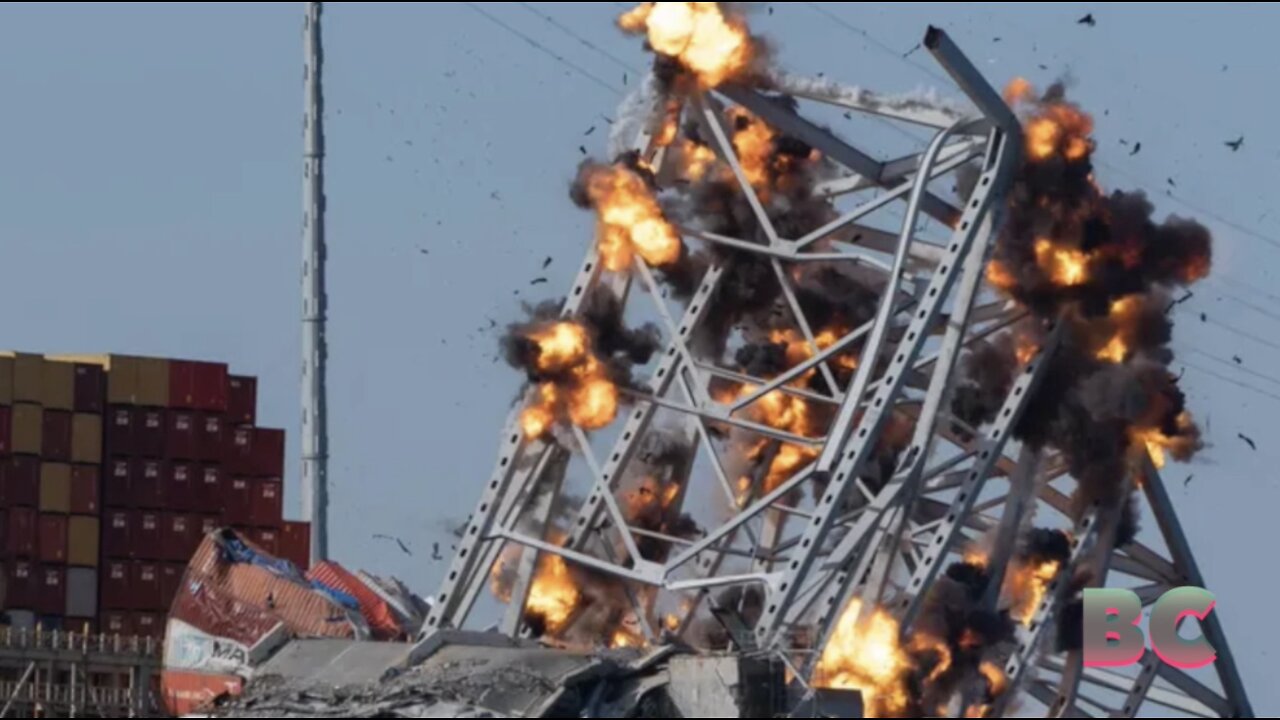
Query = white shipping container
x=82 y=593
x=21 y=619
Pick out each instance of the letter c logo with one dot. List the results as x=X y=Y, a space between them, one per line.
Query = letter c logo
x=1169 y=612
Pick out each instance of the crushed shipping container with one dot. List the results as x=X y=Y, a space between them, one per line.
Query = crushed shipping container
x=382 y=620
x=242 y=570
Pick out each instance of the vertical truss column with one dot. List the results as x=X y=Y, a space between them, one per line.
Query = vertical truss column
x=894 y=504
x=990 y=189
x=990 y=452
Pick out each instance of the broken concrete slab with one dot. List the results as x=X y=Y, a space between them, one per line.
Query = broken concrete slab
x=729 y=686
x=336 y=663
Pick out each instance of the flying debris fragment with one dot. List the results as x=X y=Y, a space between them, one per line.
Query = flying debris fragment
x=1137 y=148
x=1237 y=359
x=1187 y=482
x=1235 y=145
x=1089 y=20
x=1252 y=445
x=539 y=281
x=403 y=547
x=1175 y=303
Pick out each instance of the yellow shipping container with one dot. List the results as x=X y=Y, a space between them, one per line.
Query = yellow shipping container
x=28 y=429
x=6 y=380
x=28 y=376
x=55 y=488
x=58 y=385
x=82 y=541
x=153 y=382
x=86 y=438
x=122 y=374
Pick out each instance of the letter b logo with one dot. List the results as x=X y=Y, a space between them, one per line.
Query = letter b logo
x=1113 y=636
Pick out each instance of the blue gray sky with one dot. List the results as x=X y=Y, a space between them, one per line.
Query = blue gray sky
x=150 y=202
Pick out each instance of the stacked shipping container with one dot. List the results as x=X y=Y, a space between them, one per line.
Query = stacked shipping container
x=112 y=470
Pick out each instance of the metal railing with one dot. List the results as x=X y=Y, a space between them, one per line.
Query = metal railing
x=60 y=641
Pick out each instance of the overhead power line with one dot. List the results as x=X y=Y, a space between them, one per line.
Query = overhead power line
x=1233 y=381
x=1234 y=366
x=1244 y=334
x=544 y=49
x=582 y=40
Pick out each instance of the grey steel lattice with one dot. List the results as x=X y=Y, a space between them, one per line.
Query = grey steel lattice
x=887 y=546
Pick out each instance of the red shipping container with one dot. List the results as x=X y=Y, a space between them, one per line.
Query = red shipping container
x=22 y=539
x=6 y=430
x=117 y=534
x=268 y=453
x=268 y=539
x=170 y=581
x=148 y=625
x=183 y=487
x=118 y=485
x=117 y=586
x=21 y=482
x=22 y=590
x=117 y=624
x=51 y=591
x=90 y=389
x=53 y=541
x=268 y=504
x=210 y=433
x=295 y=543
x=181 y=442
x=238 y=456
x=211 y=387
x=149 y=432
x=242 y=400
x=209 y=524
x=122 y=431
x=146 y=591
x=182 y=384
x=148 y=485
x=57 y=436
x=86 y=496
x=212 y=500
x=148 y=537
x=181 y=537
x=304 y=612
x=239 y=502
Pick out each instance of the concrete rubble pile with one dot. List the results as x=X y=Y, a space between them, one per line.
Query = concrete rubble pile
x=468 y=675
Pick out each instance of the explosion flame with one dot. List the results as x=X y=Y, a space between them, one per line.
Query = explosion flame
x=553 y=594
x=868 y=657
x=630 y=222
x=707 y=40
x=1105 y=265
x=578 y=387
